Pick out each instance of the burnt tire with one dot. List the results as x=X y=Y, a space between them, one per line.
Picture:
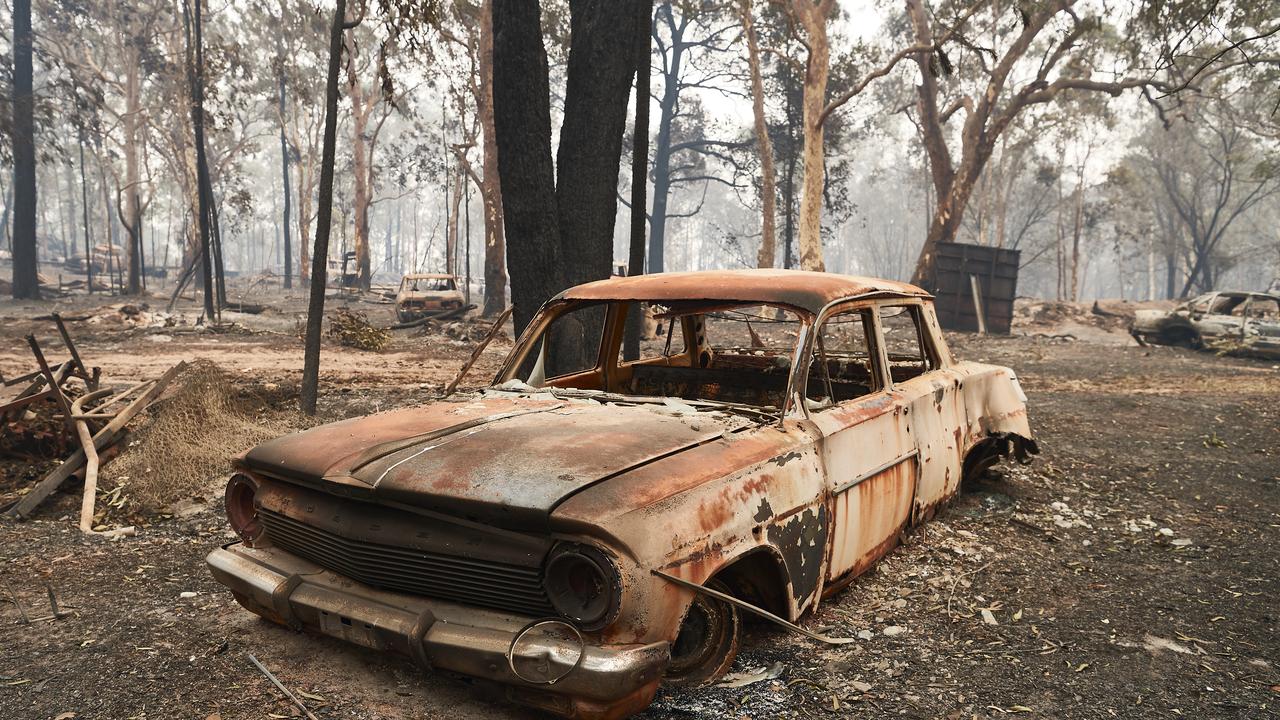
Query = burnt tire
x=707 y=644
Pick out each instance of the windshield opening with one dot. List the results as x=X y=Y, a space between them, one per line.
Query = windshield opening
x=427 y=284
x=732 y=353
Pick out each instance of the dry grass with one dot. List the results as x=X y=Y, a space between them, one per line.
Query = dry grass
x=183 y=447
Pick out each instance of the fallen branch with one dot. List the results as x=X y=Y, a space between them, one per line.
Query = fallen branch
x=25 y=620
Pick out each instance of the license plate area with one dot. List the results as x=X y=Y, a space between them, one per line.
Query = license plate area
x=350 y=629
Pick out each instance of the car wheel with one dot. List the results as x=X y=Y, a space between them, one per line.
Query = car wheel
x=707 y=643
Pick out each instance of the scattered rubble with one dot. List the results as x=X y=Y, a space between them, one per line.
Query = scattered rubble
x=60 y=395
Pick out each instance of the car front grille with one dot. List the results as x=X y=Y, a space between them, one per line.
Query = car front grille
x=511 y=588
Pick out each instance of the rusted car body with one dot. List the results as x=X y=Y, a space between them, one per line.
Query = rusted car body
x=423 y=294
x=1244 y=323
x=527 y=535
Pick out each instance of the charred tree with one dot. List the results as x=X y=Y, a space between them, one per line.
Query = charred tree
x=522 y=129
x=590 y=149
x=284 y=172
x=195 y=79
x=639 y=168
x=324 y=213
x=26 y=283
x=546 y=228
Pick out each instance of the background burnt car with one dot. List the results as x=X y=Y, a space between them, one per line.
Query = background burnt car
x=1242 y=322
x=771 y=444
x=422 y=294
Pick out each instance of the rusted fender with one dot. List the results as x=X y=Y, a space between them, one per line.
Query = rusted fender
x=757 y=491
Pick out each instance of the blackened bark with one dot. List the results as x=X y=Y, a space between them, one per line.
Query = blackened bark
x=26 y=284
x=522 y=127
x=560 y=235
x=639 y=170
x=84 y=208
x=662 y=144
x=324 y=217
x=195 y=79
x=595 y=118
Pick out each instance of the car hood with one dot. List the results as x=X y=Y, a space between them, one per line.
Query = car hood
x=501 y=458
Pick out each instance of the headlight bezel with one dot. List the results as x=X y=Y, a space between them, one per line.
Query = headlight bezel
x=242 y=512
x=568 y=578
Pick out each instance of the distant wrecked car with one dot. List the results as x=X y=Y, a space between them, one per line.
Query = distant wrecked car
x=1237 y=322
x=572 y=532
x=423 y=294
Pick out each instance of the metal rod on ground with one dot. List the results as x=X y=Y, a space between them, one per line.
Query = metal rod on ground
x=28 y=377
x=753 y=609
x=475 y=354
x=280 y=685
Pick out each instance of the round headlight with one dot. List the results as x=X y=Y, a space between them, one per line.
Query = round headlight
x=583 y=585
x=241 y=512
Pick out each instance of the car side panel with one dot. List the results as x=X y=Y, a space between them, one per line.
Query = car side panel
x=936 y=415
x=871 y=476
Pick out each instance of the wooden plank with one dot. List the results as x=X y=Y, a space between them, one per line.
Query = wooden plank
x=51 y=482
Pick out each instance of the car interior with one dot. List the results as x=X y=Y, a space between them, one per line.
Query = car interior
x=739 y=353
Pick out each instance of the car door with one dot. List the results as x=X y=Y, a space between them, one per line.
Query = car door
x=930 y=390
x=1221 y=318
x=867 y=454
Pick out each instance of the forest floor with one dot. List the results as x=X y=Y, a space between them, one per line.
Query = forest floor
x=1131 y=571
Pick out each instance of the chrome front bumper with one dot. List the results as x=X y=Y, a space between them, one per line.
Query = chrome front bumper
x=609 y=681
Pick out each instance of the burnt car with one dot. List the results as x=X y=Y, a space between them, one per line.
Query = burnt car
x=593 y=523
x=423 y=294
x=1246 y=323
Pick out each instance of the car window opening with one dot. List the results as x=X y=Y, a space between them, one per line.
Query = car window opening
x=905 y=342
x=841 y=366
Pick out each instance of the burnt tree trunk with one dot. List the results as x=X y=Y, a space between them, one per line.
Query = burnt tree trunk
x=546 y=230
x=495 y=245
x=288 y=200
x=26 y=284
x=595 y=118
x=84 y=210
x=195 y=79
x=662 y=145
x=324 y=216
x=639 y=164
x=522 y=129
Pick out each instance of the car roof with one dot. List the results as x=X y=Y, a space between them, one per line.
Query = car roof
x=1240 y=293
x=806 y=290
